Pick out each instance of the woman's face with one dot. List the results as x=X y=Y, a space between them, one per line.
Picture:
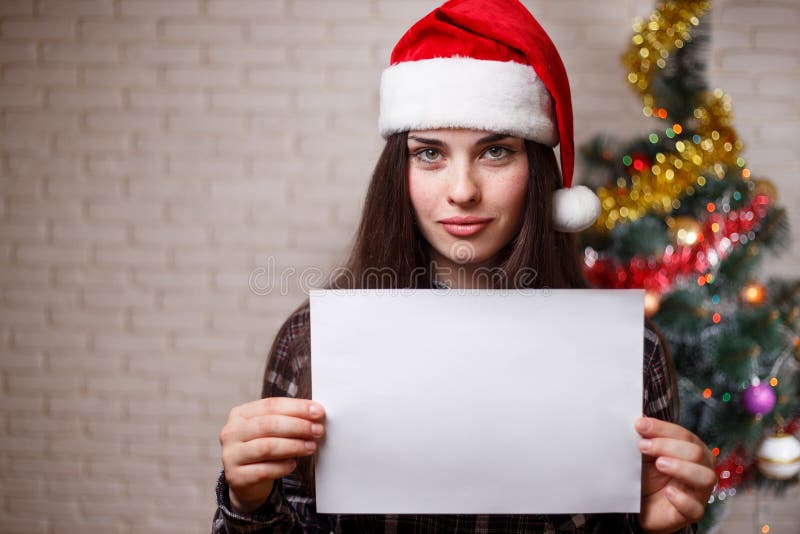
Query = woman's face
x=468 y=189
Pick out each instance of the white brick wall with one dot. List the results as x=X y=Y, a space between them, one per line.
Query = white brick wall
x=154 y=153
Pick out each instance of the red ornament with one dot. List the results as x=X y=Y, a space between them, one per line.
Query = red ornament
x=731 y=471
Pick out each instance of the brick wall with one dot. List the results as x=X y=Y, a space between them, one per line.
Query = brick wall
x=160 y=157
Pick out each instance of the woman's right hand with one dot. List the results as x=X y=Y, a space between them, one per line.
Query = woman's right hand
x=260 y=442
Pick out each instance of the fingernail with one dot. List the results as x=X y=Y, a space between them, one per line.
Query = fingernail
x=314 y=409
x=316 y=429
x=643 y=424
x=645 y=444
x=664 y=462
x=311 y=445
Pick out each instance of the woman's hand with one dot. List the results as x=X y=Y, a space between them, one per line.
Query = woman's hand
x=260 y=442
x=677 y=476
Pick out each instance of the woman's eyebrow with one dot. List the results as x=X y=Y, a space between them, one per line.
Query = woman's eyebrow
x=434 y=142
x=483 y=140
x=491 y=138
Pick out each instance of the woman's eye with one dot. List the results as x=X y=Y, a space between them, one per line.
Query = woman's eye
x=428 y=155
x=496 y=152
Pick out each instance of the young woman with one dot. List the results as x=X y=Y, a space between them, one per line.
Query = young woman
x=467 y=193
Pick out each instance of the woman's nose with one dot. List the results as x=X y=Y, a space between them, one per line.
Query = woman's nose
x=464 y=188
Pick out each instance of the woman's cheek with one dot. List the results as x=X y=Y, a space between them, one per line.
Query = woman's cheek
x=511 y=189
x=422 y=199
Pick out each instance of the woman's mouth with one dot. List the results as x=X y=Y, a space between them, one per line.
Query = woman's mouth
x=464 y=226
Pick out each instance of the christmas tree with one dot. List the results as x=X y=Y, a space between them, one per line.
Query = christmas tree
x=684 y=218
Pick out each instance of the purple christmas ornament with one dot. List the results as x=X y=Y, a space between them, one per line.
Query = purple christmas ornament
x=759 y=399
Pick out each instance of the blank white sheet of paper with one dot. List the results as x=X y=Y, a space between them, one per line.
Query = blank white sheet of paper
x=478 y=401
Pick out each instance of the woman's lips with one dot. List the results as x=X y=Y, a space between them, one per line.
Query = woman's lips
x=464 y=226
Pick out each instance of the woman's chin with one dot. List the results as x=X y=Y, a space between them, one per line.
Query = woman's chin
x=467 y=256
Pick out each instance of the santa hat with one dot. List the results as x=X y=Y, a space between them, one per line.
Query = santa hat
x=487 y=65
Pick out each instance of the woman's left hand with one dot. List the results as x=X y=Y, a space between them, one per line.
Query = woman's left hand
x=677 y=476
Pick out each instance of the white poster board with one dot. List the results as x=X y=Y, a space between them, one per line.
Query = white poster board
x=478 y=401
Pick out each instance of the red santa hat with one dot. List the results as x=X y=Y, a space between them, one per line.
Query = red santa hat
x=487 y=65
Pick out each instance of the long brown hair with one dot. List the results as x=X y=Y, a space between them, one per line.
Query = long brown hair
x=389 y=251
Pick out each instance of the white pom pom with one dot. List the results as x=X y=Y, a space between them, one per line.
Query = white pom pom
x=575 y=208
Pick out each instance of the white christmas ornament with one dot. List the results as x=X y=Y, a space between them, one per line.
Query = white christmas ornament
x=575 y=208
x=778 y=456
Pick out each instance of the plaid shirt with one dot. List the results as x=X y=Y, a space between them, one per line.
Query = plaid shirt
x=290 y=509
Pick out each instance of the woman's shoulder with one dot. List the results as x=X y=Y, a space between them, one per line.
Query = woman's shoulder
x=656 y=357
x=293 y=332
x=289 y=355
x=661 y=392
x=297 y=323
x=652 y=339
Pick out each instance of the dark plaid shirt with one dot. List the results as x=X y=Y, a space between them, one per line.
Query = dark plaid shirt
x=290 y=509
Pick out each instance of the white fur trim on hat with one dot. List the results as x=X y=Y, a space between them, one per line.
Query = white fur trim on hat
x=459 y=92
x=575 y=208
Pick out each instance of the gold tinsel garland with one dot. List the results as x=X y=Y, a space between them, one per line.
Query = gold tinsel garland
x=712 y=150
